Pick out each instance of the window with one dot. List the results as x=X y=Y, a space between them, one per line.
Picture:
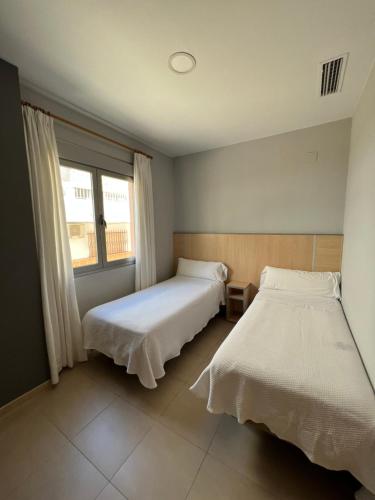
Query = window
x=99 y=215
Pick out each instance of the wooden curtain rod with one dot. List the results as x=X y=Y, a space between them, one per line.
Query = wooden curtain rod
x=84 y=129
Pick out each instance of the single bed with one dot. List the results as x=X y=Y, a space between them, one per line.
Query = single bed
x=291 y=364
x=144 y=330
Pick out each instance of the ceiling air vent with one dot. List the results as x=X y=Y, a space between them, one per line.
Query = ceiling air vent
x=332 y=75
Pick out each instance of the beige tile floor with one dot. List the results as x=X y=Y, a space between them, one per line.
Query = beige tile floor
x=100 y=435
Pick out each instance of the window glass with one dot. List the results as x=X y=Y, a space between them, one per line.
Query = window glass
x=80 y=215
x=118 y=215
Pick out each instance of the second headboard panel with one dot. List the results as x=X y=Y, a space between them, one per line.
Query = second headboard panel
x=247 y=254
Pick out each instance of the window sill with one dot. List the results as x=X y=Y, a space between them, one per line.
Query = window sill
x=108 y=267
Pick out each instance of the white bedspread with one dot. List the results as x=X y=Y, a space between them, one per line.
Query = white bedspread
x=291 y=363
x=143 y=330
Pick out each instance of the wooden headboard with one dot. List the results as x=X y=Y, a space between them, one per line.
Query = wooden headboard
x=247 y=254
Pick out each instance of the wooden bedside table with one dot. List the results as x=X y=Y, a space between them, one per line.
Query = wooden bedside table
x=237 y=299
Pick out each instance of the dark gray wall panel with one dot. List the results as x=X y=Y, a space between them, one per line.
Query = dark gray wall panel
x=23 y=360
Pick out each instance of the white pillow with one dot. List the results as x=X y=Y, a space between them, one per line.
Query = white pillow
x=215 y=271
x=314 y=283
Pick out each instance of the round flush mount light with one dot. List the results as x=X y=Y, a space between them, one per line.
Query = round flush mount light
x=182 y=62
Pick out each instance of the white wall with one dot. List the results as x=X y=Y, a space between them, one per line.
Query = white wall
x=103 y=286
x=99 y=287
x=271 y=185
x=358 y=266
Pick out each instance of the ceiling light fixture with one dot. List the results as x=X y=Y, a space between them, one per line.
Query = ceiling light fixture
x=182 y=62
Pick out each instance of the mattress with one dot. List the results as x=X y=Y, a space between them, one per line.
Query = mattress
x=143 y=330
x=291 y=363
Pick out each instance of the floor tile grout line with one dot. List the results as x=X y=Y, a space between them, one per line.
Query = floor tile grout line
x=244 y=476
x=138 y=407
x=133 y=450
x=158 y=422
x=131 y=403
x=215 y=457
x=178 y=433
x=75 y=435
x=92 y=419
x=60 y=431
x=97 y=415
x=79 y=451
x=171 y=401
x=216 y=431
x=200 y=466
x=154 y=422
x=152 y=417
x=182 y=436
x=169 y=430
x=109 y=479
x=196 y=475
x=114 y=487
x=101 y=491
x=14 y=489
x=39 y=413
x=204 y=458
x=121 y=493
x=89 y=460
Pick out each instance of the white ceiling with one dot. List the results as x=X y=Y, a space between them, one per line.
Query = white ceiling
x=257 y=63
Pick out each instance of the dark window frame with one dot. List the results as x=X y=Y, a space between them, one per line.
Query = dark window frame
x=98 y=205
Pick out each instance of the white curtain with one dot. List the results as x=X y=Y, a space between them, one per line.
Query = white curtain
x=145 y=265
x=60 y=311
